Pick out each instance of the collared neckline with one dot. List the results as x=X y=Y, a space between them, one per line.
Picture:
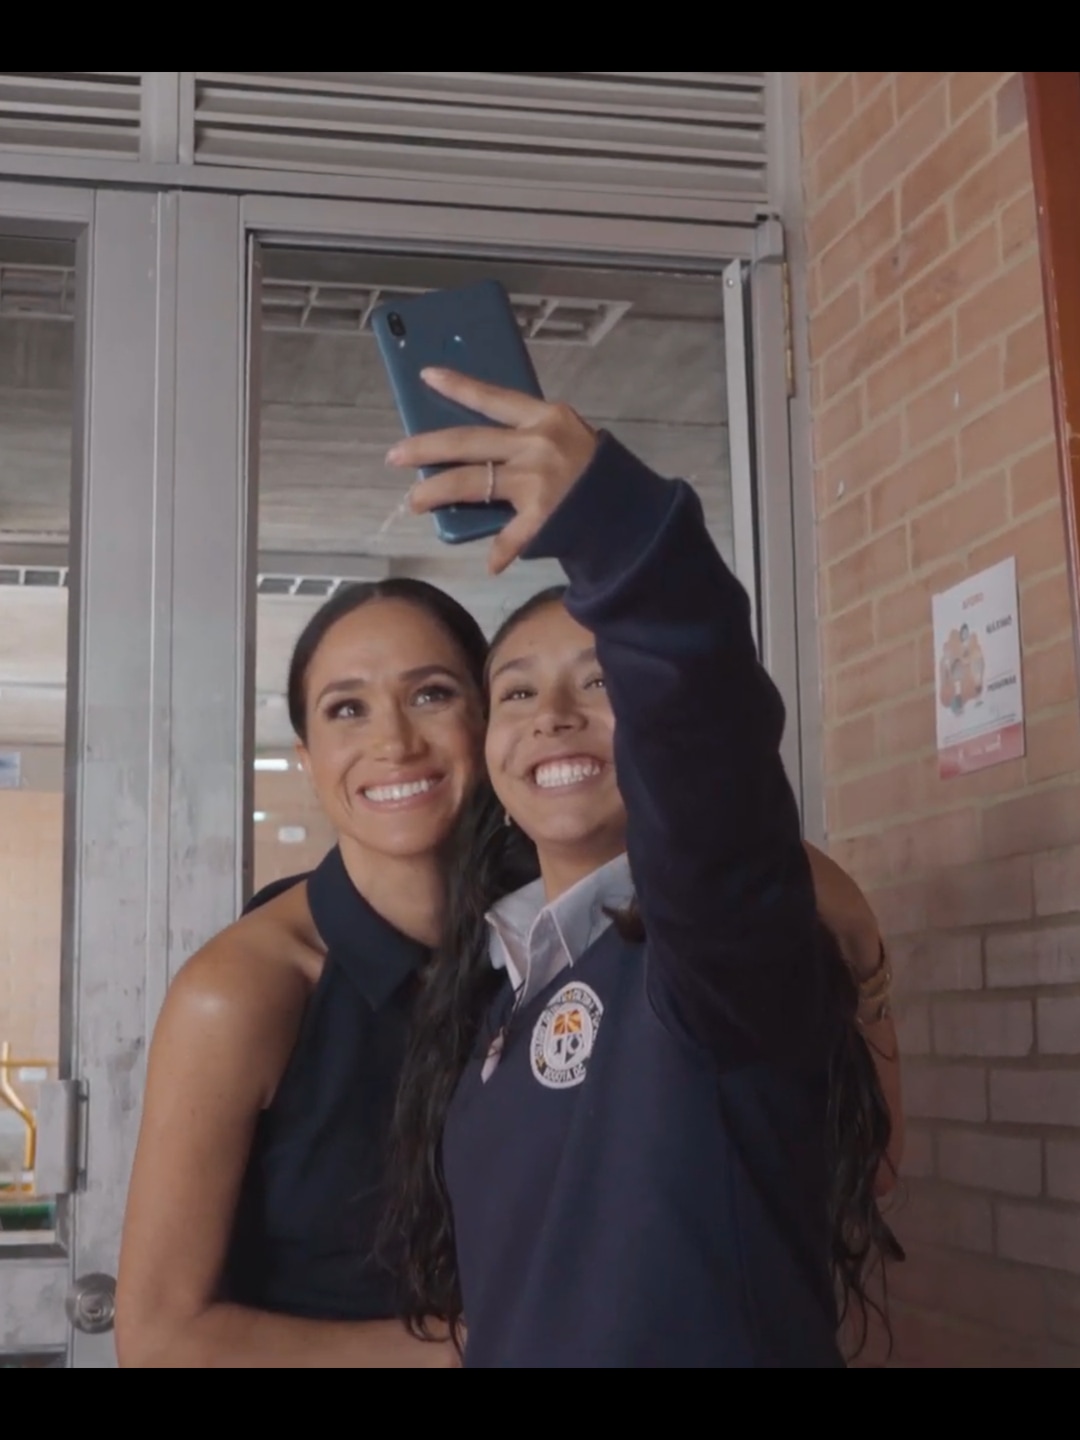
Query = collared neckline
x=517 y=924
x=375 y=955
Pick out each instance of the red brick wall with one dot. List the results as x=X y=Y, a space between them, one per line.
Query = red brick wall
x=934 y=458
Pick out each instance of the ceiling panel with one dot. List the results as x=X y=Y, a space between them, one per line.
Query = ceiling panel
x=327 y=420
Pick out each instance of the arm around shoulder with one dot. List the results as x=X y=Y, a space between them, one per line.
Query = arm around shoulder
x=225 y=1034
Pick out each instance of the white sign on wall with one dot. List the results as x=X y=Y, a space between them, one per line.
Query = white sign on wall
x=979 y=688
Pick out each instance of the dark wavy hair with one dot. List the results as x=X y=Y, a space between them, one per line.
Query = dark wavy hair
x=490 y=859
x=442 y=608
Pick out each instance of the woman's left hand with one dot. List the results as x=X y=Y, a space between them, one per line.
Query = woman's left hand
x=538 y=452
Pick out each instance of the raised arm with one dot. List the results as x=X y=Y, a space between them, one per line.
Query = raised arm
x=714 y=838
x=226 y=1031
x=714 y=834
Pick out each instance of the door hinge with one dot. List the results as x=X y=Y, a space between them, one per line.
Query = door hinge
x=789 y=333
x=61 y=1137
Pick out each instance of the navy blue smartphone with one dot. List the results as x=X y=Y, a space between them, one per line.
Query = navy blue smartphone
x=474 y=331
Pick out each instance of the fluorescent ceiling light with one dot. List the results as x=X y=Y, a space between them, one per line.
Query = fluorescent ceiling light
x=259 y=816
x=271 y=763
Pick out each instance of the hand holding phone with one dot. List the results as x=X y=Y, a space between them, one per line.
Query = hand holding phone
x=534 y=458
x=475 y=332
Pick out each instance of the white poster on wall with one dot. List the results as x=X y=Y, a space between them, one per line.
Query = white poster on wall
x=979 y=690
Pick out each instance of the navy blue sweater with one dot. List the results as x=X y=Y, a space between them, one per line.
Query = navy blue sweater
x=670 y=1208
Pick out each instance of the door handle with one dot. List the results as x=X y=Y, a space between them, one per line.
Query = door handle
x=91 y=1304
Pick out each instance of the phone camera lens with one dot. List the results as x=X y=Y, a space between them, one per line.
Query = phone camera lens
x=397 y=326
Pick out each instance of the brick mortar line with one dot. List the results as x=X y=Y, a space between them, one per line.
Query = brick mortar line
x=914 y=577
x=984 y=998
x=982 y=803
x=1033 y=1064
x=986 y=1192
x=889 y=879
x=996 y=1130
x=1046 y=1204
x=859 y=109
x=956 y=364
x=1016 y=261
x=815 y=202
x=902 y=232
x=886 y=80
x=1032 y=925
x=988 y=95
x=986 y=99
x=883 y=648
x=926 y=752
x=1017 y=257
x=867 y=260
x=994 y=1336
x=841 y=75
x=911 y=338
x=976 y=543
x=914 y=449
x=877 y=478
x=898 y=408
x=929 y=1250
x=1035 y=649
x=1005 y=1064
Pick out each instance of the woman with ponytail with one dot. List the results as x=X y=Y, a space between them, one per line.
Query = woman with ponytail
x=639 y=1123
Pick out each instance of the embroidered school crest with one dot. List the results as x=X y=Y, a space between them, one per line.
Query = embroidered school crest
x=564 y=1037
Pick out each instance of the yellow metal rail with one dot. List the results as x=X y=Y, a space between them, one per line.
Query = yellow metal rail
x=13 y=1101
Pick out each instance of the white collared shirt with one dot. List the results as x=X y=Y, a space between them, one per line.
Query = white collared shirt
x=534 y=942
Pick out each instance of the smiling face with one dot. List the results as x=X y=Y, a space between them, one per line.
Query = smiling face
x=550 y=744
x=394 y=729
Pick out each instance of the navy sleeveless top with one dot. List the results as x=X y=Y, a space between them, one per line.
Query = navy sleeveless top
x=305 y=1230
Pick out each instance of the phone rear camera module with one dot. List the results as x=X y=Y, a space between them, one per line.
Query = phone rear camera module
x=397 y=326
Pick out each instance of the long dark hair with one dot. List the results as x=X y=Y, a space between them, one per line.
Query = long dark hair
x=858 y=1136
x=489 y=860
x=443 y=609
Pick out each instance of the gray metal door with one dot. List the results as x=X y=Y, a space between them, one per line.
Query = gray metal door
x=112 y=310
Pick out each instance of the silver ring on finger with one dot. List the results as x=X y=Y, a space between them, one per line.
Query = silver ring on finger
x=491 y=483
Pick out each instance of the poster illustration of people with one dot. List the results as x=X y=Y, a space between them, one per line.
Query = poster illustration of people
x=979 y=701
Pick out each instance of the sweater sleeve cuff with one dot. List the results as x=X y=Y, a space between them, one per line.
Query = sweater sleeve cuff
x=609 y=519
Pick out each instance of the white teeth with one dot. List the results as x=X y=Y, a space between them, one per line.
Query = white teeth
x=551 y=777
x=386 y=794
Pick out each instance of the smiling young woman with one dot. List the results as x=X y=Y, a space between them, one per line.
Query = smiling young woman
x=550 y=745
x=638 y=1126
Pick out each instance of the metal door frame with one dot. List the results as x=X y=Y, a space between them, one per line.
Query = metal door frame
x=151 y=802
x=158 y=790
x=113 y=759
x=757 y=336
